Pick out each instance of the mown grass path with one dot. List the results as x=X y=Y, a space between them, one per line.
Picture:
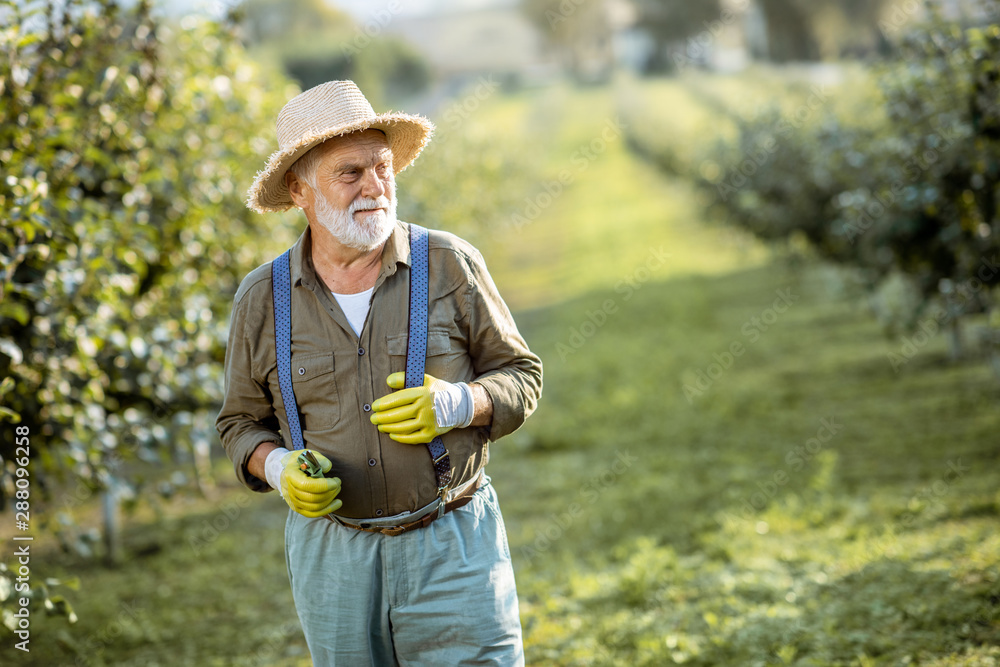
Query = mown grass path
x=725 y=468
x=597 y=216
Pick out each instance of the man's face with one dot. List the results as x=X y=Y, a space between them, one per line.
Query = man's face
x=354 y=197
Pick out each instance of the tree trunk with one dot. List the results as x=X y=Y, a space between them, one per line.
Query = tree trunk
x=955 y=339
x=992 y=339
x=112 y=525
x=995 y=361
x=201 y=452
x=789 y=32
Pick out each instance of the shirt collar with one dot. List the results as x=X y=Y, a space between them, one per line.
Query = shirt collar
x=396 y=250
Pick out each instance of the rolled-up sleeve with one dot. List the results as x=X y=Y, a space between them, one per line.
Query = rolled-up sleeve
x=247 y=417
x=509 y=372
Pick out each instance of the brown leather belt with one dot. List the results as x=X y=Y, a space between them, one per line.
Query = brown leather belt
x=422 y=522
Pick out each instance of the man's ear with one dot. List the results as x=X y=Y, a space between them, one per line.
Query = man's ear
x=299 y=190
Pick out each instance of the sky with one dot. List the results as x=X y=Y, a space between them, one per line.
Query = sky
x=361 y=10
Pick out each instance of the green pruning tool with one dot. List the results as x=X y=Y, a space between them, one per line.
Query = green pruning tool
x=309 y=465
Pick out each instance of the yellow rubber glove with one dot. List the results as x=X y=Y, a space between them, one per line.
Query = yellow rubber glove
x=409 y=416
x=309 y=496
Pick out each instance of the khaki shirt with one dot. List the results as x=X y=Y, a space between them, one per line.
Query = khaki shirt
x=337 y=375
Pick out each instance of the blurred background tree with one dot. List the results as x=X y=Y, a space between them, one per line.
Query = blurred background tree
x=791 y=30
x=802 y=30
x=578 y=32
x=900 y=181
x=124 y=238
x=670 y=22
x=314 y=43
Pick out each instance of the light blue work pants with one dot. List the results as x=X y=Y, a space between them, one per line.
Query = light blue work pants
x=439 y=595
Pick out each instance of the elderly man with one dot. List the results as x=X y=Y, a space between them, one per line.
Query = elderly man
x=386 y=351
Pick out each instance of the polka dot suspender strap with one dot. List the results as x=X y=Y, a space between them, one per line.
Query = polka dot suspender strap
x=281 y=293
x=416 y=348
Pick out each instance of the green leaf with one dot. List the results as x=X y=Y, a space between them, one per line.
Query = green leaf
x=28 y=39
x=16 y=311
x=72 y=584
x=11 y=349
x=60 y=606
x=29 y=229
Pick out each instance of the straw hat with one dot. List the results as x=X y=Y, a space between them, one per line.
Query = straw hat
x=329 y=110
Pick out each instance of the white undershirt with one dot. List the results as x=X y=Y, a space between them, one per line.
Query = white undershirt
x=355 y=307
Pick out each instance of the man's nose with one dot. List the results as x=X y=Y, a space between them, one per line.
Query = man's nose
x=372 y=185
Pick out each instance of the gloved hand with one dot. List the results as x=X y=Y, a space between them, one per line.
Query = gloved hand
x=415 y=416
x=309 y=496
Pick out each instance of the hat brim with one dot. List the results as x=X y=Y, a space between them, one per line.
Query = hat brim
x=407 y=136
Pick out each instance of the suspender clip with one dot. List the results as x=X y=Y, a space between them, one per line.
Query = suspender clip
x=442 y=497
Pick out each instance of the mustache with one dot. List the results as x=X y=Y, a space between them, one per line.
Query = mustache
x=368 y=204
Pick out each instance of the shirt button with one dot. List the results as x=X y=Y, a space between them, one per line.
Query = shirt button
x=372 y=462
x=367 y=407
x=361 y=351
x=378 y=512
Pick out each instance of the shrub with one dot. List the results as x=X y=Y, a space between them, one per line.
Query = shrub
x=126 y=147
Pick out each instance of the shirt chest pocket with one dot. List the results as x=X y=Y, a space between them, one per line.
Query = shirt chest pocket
x=315 y=386
x=441 y=361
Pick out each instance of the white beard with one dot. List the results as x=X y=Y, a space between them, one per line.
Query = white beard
x=372 y=231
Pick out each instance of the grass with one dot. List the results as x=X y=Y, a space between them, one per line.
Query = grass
x=652 y=519
x=864 y=547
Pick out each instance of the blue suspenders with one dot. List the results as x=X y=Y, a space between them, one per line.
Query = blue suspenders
x=281 y=293
x=416 y=349
x=416 y=346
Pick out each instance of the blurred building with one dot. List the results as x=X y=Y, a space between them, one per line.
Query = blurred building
x=462 y=40
x=968 y=11
x=466 y=43
x=496 y=37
